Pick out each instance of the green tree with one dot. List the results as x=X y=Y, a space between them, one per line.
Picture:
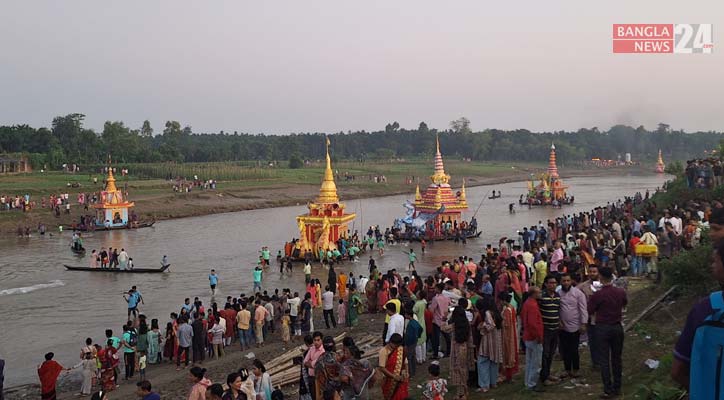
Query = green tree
x=460 y=125
x=68 y=131
x=146 y=130
x=423 y=128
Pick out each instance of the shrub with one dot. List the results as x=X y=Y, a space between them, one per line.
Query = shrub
x=295 y=161
x=689 y=270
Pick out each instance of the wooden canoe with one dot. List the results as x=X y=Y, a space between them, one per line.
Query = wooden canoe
x=146 y=224
x=117 y=270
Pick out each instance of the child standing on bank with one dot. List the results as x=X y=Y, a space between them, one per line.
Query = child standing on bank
x=341 y=313
x=142 y=366
x=436 y=387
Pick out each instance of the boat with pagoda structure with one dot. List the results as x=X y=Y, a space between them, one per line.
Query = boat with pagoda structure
x=660 y=167
x=113 y=211
x=550 y=190
x=437 y=214
x=325 y=225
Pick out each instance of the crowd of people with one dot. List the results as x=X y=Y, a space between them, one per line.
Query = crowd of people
x=183 y=185
x=22 y=203
x=556 y=289
x=703 y=173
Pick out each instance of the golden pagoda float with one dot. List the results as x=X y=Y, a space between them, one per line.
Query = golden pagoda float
x=660 y=164
x=550 y=190
x=112 y=210
x=325 y=225
x=438 y=213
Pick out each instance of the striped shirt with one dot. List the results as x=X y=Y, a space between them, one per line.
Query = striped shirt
x=550 y=306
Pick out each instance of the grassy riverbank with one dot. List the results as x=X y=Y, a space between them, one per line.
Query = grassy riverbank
x=250 y=187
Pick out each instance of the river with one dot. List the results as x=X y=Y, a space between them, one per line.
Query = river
x=46 y=308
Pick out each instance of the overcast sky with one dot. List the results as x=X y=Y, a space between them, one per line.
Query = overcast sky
x=318 y=65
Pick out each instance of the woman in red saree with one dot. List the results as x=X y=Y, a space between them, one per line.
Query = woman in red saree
x=383 y=286
x=48 y=373
x=393 y=367
x=109 y=362
x=510 y=337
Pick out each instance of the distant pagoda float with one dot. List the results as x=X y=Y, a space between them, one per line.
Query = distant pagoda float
x=438 y=213
x=660 y=164
x=325 y=223
x=550 y=190
x=112 y=210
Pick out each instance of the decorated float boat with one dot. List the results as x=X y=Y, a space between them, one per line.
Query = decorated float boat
x=550 y=191
x=325 y=224
x=438 y=213
x=660 y=164
x=113 y=212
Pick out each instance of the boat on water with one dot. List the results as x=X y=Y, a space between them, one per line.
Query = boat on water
x=550 y=191
x=531 y=202
x=120 y=271
x=80 y=251
x=84 y=228
x=468 y=235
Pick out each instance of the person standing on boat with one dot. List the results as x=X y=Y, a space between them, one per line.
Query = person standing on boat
x=93 y=262
x=122 y=259
x=213 y=281
x=164 y=261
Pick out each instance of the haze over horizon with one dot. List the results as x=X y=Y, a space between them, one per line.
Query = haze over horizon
x=326 y=66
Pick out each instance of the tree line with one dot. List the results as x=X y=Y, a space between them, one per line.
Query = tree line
x=67 y=141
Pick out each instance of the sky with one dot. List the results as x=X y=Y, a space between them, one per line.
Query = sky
x=279 y=67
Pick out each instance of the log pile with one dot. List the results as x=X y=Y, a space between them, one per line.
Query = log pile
x=283 y=371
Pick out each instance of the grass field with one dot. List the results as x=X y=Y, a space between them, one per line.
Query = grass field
x=151 y=177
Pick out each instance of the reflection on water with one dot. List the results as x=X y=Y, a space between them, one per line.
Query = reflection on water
x=59 y=316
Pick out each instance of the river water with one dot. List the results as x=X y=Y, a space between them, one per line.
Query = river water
x=46 y=308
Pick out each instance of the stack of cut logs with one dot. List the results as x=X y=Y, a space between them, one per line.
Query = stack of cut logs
x=283 y=371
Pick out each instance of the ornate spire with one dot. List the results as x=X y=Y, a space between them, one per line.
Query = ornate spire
x=660 y=163
x=552 y=168
x=110 y=180
x=328 y=191
x=463 y=199
x=439 y=176
x=418 y=197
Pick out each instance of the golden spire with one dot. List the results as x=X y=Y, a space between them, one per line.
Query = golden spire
x=110 y=180
x=439 y=176
x=418 y=197
x=328 y=191
x=463 y=199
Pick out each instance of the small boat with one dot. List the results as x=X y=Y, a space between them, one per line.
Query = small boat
x=146 y=224
x=468 y=235
x=116 y=270
x=80 y=251
x=494 y=197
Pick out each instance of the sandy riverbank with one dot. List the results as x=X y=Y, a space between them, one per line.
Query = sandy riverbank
x=227 y=198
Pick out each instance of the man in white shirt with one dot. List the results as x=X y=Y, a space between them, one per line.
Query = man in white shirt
x=396 y=324
x=362 y=284
x=293 y=305
x=328 y=307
